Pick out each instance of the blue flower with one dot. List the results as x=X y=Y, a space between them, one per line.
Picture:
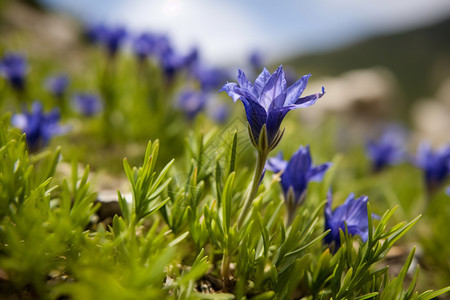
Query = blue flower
x=352 y=213
x=144 y=45
x=256 y=60
x=96 y=32
x=57 y=85
x=38 y=126
x=435 y=164
x=172 y=62
x=87 y=104
x=296 y=174
x=388 y=150
x=13 y=67
x=192 y=102
x=209 y=78
x=113 y=39
x=109 y=37
x=267 y=102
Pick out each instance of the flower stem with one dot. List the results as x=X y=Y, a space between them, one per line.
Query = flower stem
x=225 y=271
x=259 y=169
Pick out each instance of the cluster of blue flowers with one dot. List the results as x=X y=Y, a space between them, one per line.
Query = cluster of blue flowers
x=266 y=103
x=38 y=126
x=202 y=80
x=389 y=149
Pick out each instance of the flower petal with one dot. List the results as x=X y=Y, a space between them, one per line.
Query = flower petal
x=277 y=163
x=295 y=91
x=274 y=120
x=261 y=80
x=256 y=116
x=309 y=100
x=317 y=173
x=232 y=90
x=275 y=86
x=245 y=84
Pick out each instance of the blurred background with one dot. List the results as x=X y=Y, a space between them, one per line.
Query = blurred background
x=377 y=60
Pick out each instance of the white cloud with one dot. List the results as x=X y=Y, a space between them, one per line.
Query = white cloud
x=222 y=32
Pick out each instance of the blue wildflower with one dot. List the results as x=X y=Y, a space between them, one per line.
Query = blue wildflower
x=87 y=104
x=144 y=45
x=57 y=85
x=435 y=164
x=192 y=102
x=352 y=213
x=113 y=39
x=388 y=150
x=209 y=78
x=13 y=67
x=109 y=37
x=256 y=60
x=267 y=102
x=96 y=32
x=296 y=174
x=172 y=62
x=38 y=126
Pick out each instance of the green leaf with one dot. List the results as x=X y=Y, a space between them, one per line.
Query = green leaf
x=226 y=202
x=367 y=296
x=428 y=295
x=233 y=154
x=216 y=296
x=178 y=239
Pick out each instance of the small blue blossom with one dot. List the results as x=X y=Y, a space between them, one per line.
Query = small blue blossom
x=388 y=150
x=268 y=100
x=96 y=32
x=296 y=174
x=256 y=60
x=144 y=45
x=57 y=85
x=38 y=126
x=87 y=104
x=109 y=37
x=435 y=164
x=113 y=39
x=192 y=102
x=352 y=213
x=172 y=62
x=209 y=78
x=13 y=67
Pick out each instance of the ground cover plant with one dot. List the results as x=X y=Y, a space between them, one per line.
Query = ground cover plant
x=206 y=205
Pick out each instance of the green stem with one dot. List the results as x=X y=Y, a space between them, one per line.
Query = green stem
x=259 y=168
x=225 y=271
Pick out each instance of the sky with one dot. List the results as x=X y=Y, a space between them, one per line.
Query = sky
x=226 y=32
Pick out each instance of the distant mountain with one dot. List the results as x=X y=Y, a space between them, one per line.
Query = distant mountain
x=420 y=59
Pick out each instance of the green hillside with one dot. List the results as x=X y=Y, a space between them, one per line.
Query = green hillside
x=420 y=58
